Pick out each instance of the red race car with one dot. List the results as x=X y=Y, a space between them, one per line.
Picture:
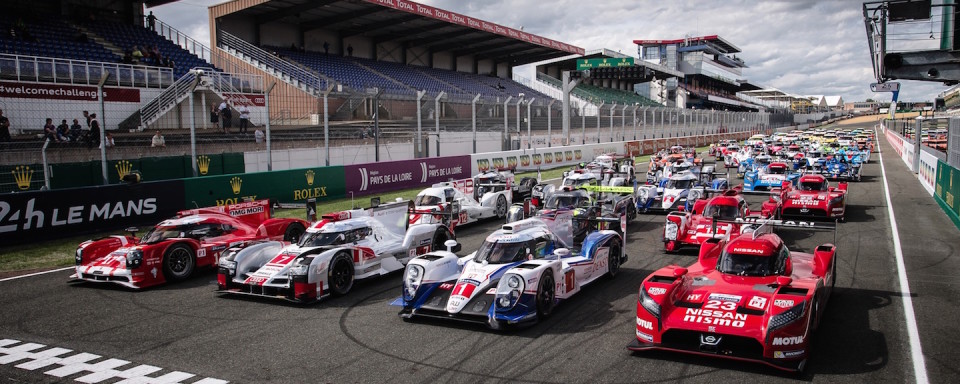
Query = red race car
x=175 y=247
x=749 y=298
x=693 y=228
x=814 y=198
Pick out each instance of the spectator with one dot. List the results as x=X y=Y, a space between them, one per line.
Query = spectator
x=136 y=54
x=152 y=21
x=93 y=138
x=326 y=48
x=108 y=140
x=4 y=128
x=215 y=116
x=350 y=50
x=63 y=131
x=158 y=141
x=226 y=117
x=49 y=131
x=76 y=130
x=244 y=118
x=259 y=136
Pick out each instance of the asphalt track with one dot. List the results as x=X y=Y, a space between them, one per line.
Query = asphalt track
x=360 y=338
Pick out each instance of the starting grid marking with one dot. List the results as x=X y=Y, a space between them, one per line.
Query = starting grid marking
x=59 y=364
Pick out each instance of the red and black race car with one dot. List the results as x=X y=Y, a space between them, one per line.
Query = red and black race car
x=693 y=228
x=175 y=247
x=749 y=298
x=815 y=198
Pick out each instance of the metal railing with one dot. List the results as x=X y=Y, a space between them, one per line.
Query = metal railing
x=80 y=72
x=154 y=109
x=296 y=75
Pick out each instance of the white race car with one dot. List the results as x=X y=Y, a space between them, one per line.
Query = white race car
x=333 y=252
x=490 y=195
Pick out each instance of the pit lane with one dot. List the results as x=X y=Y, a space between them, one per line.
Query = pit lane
x=360 y=338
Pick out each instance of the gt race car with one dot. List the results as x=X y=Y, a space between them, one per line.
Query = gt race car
x=746 y=298
x=518 y=275
x=332 y=254
x=173 y=249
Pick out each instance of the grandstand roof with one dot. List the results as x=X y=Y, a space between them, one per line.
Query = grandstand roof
x=414 y=25
x=717 y=41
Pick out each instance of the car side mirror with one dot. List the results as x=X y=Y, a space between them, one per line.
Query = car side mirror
x=561 y=253
x=784 y=281
x=679 y=272
x=452 y=246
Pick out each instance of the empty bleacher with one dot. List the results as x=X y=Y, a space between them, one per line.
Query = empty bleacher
x=600 y=94
x=127 y=36
x=49 y=37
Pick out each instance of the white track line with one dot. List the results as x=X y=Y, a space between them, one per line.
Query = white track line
x=35 y=274
x=919 y=366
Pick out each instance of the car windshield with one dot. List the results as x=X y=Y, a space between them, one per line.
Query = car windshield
x=724 y=212
x=563 y=201
x=498 y=252
x=747 y=265
x=316 y=239
x=680 y=168
x=679 y=184
x=776 y=170
x=197 y=231
x=811 y=186
x=428 y=200
x=575 y=182
x=158 y=234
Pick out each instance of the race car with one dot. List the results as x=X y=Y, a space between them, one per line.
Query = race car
x=679 y=191
x=494 y=195
x=614 y=200
x=519 y=274
x=579 y=177
x=770 y=176
x=173 y=249
x=577 y=201
x=836 y=168
x=696 y=226
x=331 y=255
x=524 y=188
x=747 y=298
x=813 y=197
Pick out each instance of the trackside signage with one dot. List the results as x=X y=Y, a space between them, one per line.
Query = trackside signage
x=15 y=90
x=287 y=186
x=46 y=215
x=370 y=178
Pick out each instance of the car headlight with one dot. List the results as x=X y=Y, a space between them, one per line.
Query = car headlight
x=647 y=303
x=508 y=291
x=134 y=259
x=229 y=265
x=298 y=270
x=791 y=315
x=411 y=281
x=79 y=256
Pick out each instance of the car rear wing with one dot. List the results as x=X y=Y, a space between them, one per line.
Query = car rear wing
x=250 y=212
x=768 y=225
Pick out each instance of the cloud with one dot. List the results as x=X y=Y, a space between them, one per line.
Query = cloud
x=802 y=47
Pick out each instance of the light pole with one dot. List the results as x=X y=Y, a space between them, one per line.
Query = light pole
x=529 y=137
x=436 y=117
x=506 y=105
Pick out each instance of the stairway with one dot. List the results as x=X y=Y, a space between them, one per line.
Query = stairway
x=218 y=82
x=294 y=74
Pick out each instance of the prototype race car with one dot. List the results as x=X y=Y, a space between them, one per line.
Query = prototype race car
x=518 y=275
x=770 y=176
x=680 y=191
x=696 y=226
x=577 y=201
x=335 y=251
x=173 y=249
x=813 y=197
x=494 y=195
x=748 y=298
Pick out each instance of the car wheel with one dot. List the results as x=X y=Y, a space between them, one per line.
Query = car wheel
x=340 y=274
x=439 y=238
x=670 y=246
x=613 y=260
x=178 y=262
x=778 y=214
x=293 y=232
x=815 y=313
x=501 y=210
x=545 y=295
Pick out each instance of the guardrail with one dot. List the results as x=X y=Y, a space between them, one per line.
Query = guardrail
x=66 y=71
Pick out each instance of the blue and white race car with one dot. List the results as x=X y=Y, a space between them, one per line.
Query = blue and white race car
x=680 y=190
x=518 y=275
x=771 y=176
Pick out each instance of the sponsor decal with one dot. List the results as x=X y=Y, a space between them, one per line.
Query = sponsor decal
x=757 y=302
x=548 y=158
x=782 y=303
x=483 y=165
x=123 y=168
x=498 y=163
x=715 y=317
x=568 y=155
x=525 y=160
x=645 y=324
x=446 y=286
x=748 y=250
x=644 y=336
x=656 y=291
x=537 y=159
x=492 y=291
x=512 y=162
x=22 y=174
x=725 y=297
x=787 y=354
x=15 y=90
x=793 y=340
x=710 y=339
x=694 y=297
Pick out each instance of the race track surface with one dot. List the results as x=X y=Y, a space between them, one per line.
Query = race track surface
x=359 y=338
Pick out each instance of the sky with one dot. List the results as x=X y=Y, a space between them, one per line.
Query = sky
x=803 y=47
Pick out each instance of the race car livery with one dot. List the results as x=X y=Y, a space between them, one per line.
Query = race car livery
x=486 y=196
x=815 y=198
x=173 y=249
x=696 y=226
x=518 y=275
x=748 y=298
x=331 y=255
x=770 y=176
